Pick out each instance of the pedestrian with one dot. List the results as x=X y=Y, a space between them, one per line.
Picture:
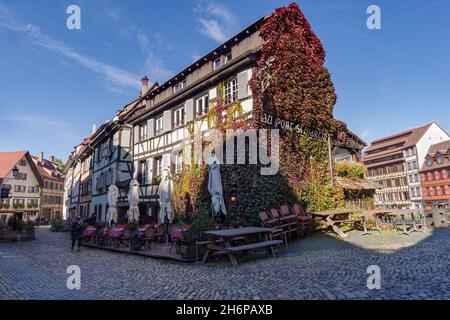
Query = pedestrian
x=76 y=231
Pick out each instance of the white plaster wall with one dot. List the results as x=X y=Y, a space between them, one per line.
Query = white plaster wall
x=433 y=135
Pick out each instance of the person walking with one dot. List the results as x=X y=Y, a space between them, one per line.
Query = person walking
x=76 y=232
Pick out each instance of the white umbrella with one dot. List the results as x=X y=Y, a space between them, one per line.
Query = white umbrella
x=113 y=193
x=133 y=201
x=165 y=197
x=215 y=186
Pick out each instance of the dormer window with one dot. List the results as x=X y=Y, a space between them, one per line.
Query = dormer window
x=429 y=161
x=179 y=86
x=217 y=63
x=440 y=158
x=228 y=58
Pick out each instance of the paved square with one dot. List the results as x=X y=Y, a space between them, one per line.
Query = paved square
x=319 y=267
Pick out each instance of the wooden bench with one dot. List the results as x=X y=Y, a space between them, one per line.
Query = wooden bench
x=251 y=246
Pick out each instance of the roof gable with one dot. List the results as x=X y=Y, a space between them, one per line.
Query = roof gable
x=8 y=160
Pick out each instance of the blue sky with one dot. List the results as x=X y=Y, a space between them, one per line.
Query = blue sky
x=55 y=83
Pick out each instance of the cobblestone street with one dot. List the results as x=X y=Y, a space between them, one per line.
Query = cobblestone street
x=320 y=267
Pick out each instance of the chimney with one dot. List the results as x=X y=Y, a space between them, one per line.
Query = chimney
x=144 y=88
x=41 y=157
x=52 y=158
x=94 y=128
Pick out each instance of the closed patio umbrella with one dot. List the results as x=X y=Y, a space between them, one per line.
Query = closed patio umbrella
x=215 y=186
x=113 y=193
x=133 y=200
x=165 y=197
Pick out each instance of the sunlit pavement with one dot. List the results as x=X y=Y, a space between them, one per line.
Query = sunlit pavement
x=320 y=267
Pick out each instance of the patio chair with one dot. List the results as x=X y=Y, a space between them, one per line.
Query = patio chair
x=150 y=237
x=304 y=221
x=266 y=221
x=160 y=233
x=287 y=221
x=175 y=236
x=283 y=223
x=291 y=219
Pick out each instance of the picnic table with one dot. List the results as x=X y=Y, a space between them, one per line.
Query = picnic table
x=222 y=241
x=378 y=214
x=402 y=215
x=333 y=219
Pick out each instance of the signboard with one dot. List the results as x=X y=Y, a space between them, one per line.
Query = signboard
x=286 y=125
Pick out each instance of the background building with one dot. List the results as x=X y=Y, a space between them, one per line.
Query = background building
x=435 y=175
x=394 y=162
x=52 y=191
x=112 y=164
x=20 y=184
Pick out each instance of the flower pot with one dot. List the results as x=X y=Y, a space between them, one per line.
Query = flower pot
x=187 y=252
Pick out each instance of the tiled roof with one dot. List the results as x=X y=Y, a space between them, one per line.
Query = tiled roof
x=48 y=169
x=444 y=149
x=396 y=142
x=8 y=160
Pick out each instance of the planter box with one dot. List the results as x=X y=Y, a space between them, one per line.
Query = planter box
x=187 y=252
x=24 y=235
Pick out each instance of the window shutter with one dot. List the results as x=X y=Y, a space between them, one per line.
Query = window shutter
x=243 y=79
x=151 y=128
x=167 y=121
x=149 y=170
x=166 y=161
x=136 y=134
x=212 y=94
x=136 y=170
x=190 y=110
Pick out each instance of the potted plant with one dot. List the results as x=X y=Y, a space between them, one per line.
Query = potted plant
x=203 y=221
x=133 y=236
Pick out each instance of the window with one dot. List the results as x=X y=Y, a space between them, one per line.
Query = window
x=430 y=161
x=179 y=86
x=159 y=125
x=179 y=162
x=228 y=58
x=158 y=166
x=20 y=189
x=435 y=191
x=143 y=172
x=143 y=132
x=231 y=91
x=440 y=159
x=178 y=117
x=217 y=64
x=34 y=189
x=22 y=162
x=201 y=105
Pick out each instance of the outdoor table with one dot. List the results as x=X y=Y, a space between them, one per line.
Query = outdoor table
x=402 y=214
x=117 y=232
x=142 y=232
x=89 y=232
x=222 y=241
x=375 y=213
x=333 y=219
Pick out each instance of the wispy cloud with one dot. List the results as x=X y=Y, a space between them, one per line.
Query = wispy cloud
x=110 y=74
x=151 y=46
x=216 y=21
x=39 y=121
